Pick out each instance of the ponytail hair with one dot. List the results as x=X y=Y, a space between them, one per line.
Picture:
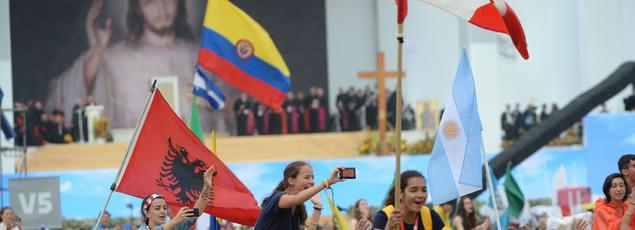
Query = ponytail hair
x=291 y=171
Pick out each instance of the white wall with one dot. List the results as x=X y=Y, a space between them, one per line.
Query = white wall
x=608 y=29
x=351 y=43
x=573 y=44
x=6 y=83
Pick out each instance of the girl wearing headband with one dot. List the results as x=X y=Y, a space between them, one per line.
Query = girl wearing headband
x=154 y=209
x=284 y=209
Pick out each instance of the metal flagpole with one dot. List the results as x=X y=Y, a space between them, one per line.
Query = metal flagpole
x=113 y=186
x=490 y=187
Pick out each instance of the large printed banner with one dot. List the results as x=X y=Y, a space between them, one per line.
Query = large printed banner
x=71 y=52
x=84 y=192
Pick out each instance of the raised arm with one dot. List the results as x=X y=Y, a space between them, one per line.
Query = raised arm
x=288 y=201
x=207 y=186
x=185 y=212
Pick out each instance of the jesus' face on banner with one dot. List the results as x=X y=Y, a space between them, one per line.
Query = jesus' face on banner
x=158 y=15
x=112 y=50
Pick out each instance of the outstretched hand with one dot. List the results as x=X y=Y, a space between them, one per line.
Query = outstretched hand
x=333 y=178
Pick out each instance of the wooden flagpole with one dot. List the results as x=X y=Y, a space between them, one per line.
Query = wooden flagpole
x=114 y=185
x=398 y=117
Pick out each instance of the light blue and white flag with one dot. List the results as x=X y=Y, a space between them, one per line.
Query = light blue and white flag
x=455 y=164
x=205 y=88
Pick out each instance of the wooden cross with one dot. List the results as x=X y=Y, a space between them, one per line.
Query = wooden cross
x=380 y=75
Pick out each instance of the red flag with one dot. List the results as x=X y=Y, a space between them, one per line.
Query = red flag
x=494 y=15
x=167 y=158
x=402 y=10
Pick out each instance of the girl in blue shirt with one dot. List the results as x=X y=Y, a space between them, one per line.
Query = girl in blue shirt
x=284 y=209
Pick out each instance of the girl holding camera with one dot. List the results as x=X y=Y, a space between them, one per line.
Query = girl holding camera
x=411 y=214
x=154 y=209
x=284 y=208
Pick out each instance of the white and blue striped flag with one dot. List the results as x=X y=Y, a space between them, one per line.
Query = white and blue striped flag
x=205 y=88
x=455 y=165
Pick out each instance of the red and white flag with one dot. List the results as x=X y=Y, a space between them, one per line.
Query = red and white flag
x=495 y=15
x=402 y=10
x=167 y=158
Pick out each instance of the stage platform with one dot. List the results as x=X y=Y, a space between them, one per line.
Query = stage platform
x=64 y=157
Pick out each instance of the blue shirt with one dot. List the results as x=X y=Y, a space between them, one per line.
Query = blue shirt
x=272 y=217
x=381 y=219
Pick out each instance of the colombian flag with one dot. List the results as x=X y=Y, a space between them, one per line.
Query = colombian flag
x=238 y=50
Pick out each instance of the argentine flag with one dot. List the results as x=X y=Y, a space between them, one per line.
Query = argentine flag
x=455 y=165
x=205 y=88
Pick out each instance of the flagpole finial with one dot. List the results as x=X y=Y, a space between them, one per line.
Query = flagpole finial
x=153 y=86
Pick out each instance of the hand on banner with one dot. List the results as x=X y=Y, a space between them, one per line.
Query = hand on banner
x=98 y=39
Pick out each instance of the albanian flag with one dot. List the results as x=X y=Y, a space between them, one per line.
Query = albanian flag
x=167 y=158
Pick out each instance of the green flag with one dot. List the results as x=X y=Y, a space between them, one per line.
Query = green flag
x=195 y=122
x=515 y=196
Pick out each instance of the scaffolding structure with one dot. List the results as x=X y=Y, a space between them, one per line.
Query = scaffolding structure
x=8 y=149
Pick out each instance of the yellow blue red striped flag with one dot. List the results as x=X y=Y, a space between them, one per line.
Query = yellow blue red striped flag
x=238 y=50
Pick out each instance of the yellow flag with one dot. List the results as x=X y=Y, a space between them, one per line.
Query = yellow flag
x=340 y=221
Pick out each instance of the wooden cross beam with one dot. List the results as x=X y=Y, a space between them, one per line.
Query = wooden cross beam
x=380 y=75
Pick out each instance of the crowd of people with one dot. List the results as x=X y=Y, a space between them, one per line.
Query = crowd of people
x=36 y=127
x=516 y=122
x=298 y=114
x=356 y=109
x=308 y=113
x=284 y=208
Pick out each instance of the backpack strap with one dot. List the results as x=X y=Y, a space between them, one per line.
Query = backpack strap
x=426 y=215
x=388 y=210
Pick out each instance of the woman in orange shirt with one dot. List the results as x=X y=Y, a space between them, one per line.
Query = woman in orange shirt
x=612 y=210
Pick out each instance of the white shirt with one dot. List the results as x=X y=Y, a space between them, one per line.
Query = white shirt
x=4 y=227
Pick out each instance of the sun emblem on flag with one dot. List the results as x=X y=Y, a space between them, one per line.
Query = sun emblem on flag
x=450 y=130
x=244 y=49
